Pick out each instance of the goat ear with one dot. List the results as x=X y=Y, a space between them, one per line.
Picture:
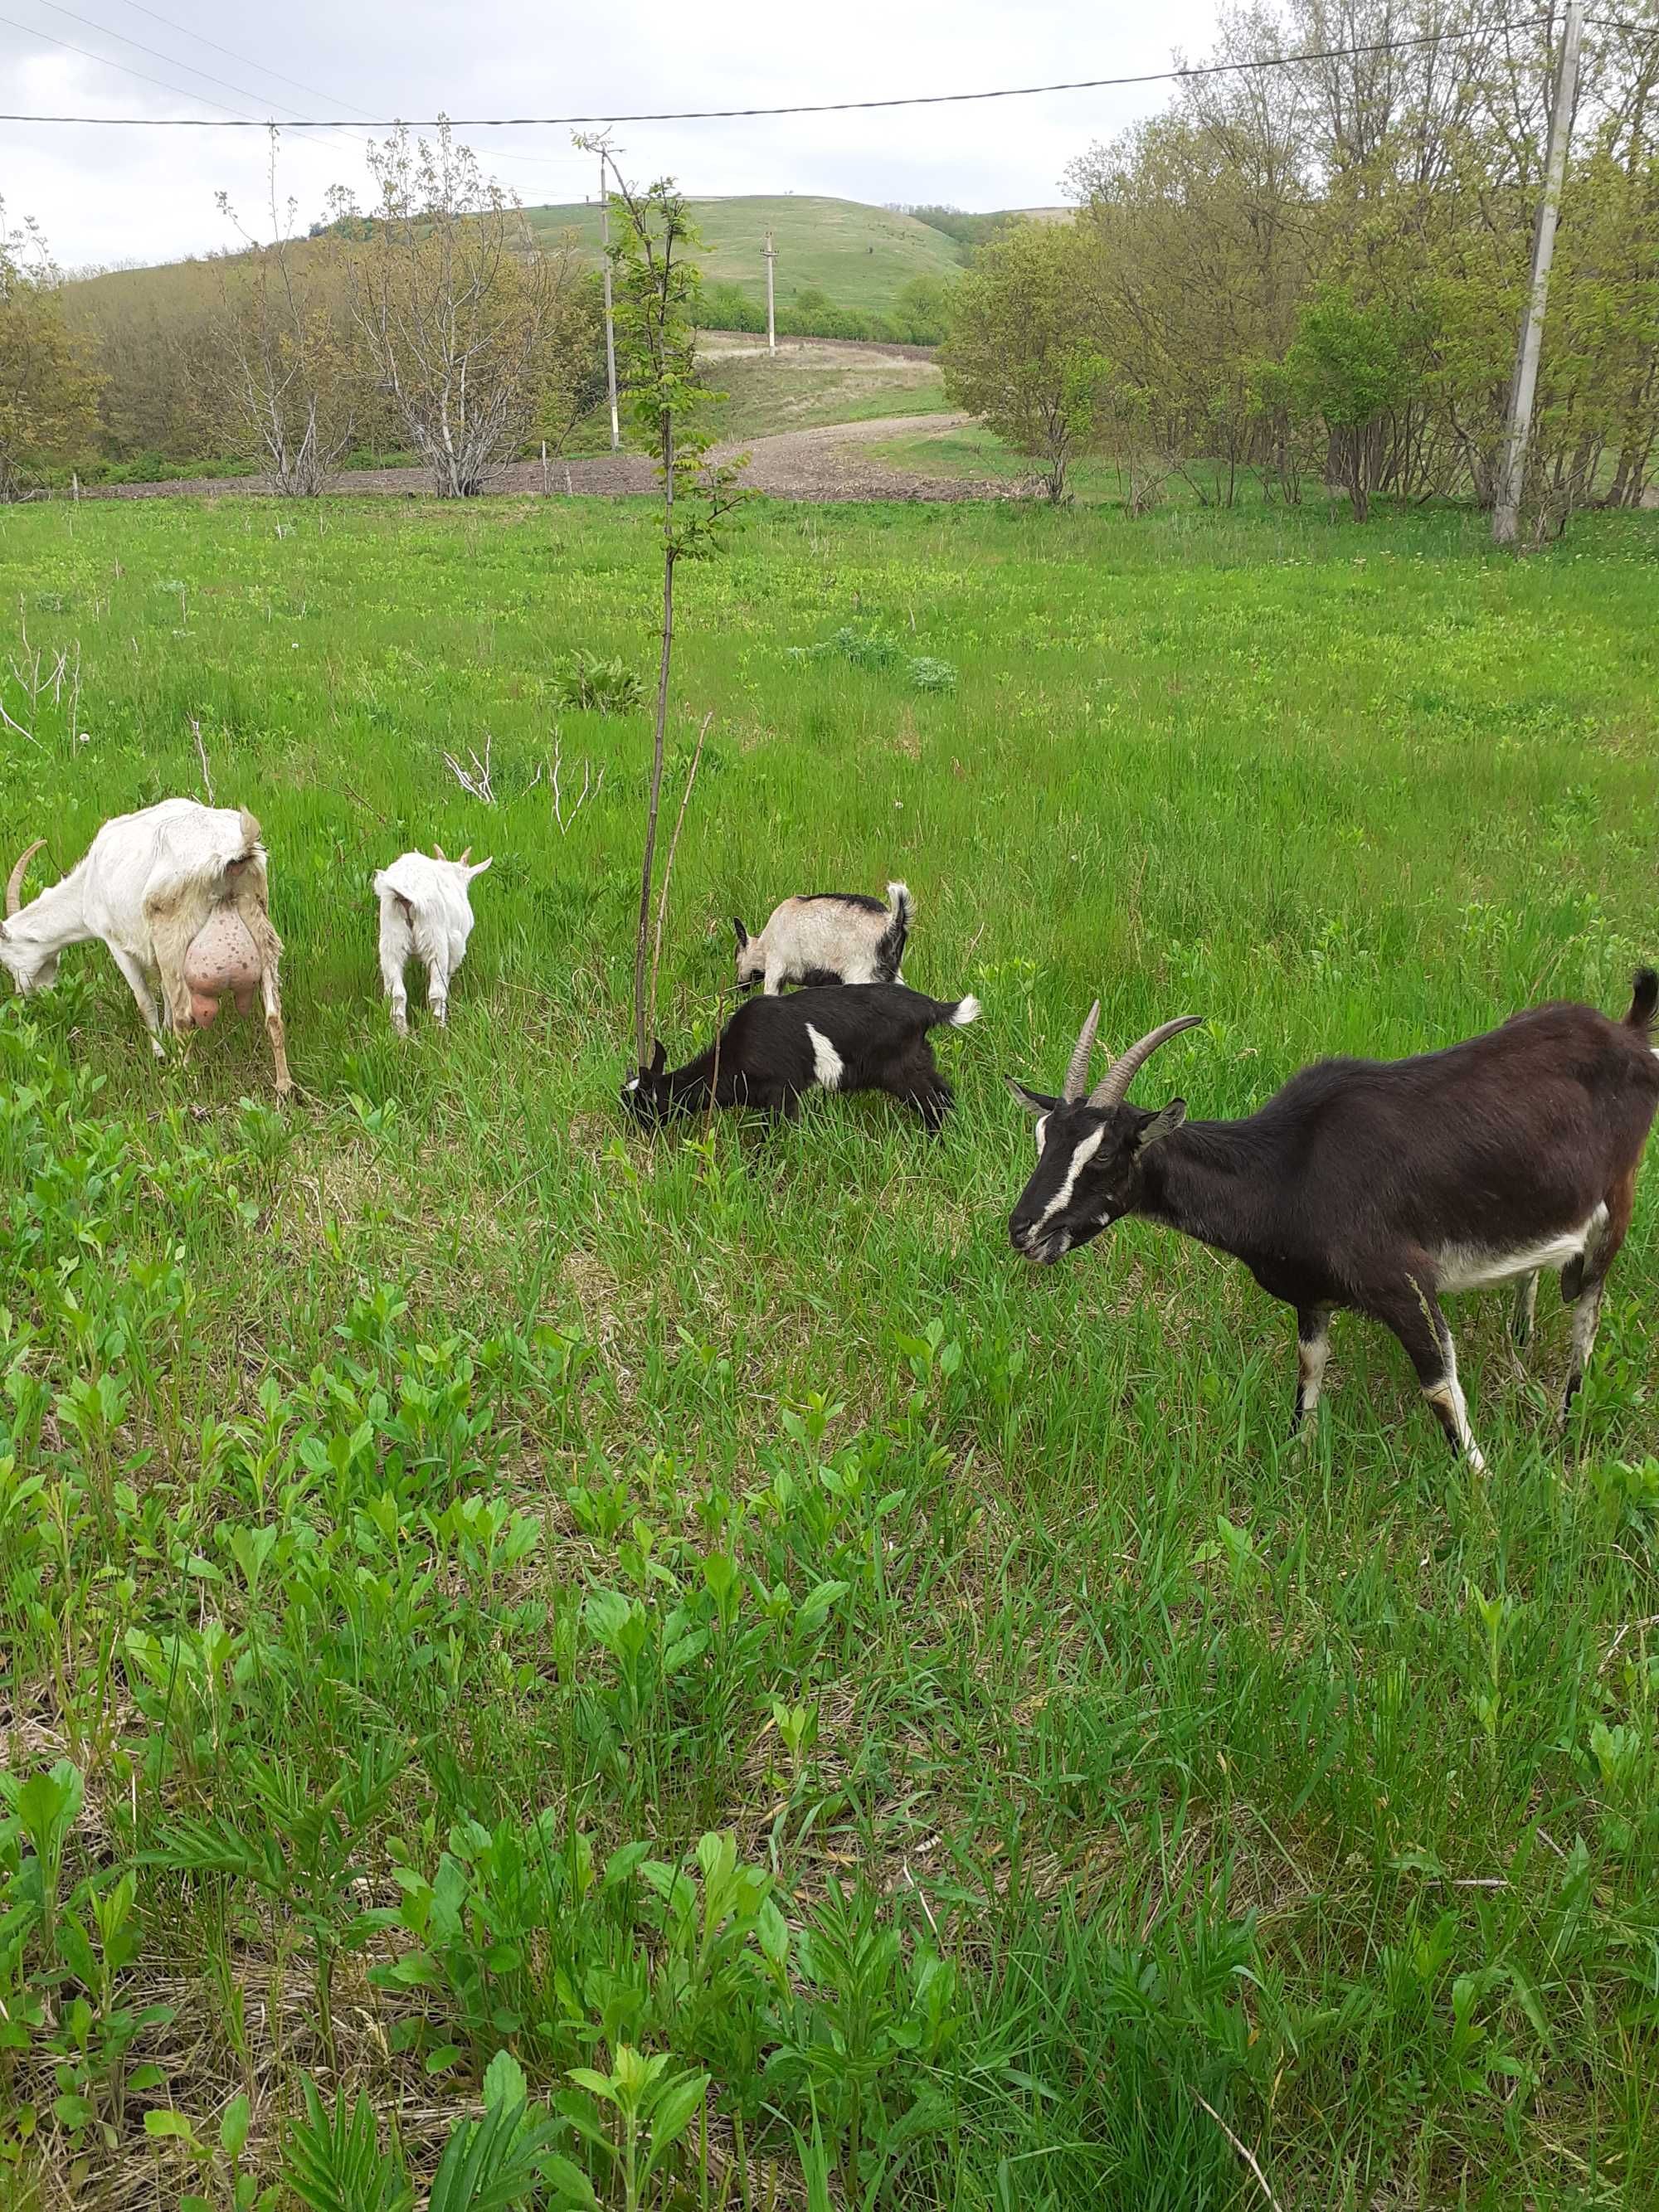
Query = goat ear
x=1034 y=1101
x=658 y=1058
x=743 y=934
x=478 y=866
x=1164 y=1123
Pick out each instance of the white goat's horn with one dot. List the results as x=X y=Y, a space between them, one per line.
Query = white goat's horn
x=1114 y=1084
x=1077 y=1075
x=15 y=881
x=466 y=854
x=437 y=850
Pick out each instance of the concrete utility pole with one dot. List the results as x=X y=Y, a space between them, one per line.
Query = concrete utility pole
x=771 y=319
x=1512 y=466
x=610 y=324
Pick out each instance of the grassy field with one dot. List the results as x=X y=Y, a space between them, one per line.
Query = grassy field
x=978 y=453
x=863 y=257
x=808 y=383
x=426 y=1515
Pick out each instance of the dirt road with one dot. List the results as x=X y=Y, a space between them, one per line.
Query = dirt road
x=824 y=463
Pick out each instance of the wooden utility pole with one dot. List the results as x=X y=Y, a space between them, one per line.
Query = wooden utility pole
x=771 y=319
x=1512 y=466
x=610 y=324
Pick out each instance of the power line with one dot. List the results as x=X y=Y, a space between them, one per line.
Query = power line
x=344 y=134
x=29 y=30
x=231 y=54
x=282 y=77
x=342 y=130
x=172 y=61
x=807 y=107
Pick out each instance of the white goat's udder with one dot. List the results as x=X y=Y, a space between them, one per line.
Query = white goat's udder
x=1469 y=1267
x=827 y=1062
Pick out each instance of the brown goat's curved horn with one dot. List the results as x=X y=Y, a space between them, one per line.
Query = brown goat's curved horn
x=1077 y=1075
x=1114 y=1084
x=15 y=880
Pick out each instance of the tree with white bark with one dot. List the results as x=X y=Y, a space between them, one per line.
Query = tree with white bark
x=465 y=320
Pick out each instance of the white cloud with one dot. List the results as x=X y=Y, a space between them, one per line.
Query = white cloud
x=106 y=195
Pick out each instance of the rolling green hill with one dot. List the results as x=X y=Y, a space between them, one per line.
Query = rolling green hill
x=862 y=257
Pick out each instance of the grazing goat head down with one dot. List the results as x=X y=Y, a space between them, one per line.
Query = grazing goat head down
x=426 y=912
x=827 y=937
x=859 y=1036
x=179 y=894
x=1378 y=1185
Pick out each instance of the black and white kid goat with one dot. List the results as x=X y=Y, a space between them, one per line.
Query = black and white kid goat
x=1380 y=1185
x=856 y=1036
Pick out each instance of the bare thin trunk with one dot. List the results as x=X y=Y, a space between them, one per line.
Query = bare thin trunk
x=643 y=940
x=668 y=863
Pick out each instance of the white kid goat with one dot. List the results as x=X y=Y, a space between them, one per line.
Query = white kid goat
x=424 y=911
x=179 y=893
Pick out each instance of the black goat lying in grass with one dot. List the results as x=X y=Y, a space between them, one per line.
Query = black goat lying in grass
x=850 y=1036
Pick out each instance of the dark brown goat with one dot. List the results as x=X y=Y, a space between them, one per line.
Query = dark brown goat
x=1380 y=1185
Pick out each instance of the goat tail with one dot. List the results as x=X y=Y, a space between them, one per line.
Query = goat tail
x=251 y=834
x=964 y=1012
x=890 y=946
x=1644 y=1000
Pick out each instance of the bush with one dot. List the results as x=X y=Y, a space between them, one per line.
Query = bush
x=589 y=681
x=921 y=316
x=874 y=649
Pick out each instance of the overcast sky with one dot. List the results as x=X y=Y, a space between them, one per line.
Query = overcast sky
x=105 y=194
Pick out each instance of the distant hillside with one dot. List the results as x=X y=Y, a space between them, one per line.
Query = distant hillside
x=862 y=256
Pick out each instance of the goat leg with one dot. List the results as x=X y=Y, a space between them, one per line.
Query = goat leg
x=138 y=984
x=274 y=1030
x=1412 y=1312
x=252 y=906
x=1601 y=1251
x=1313 y=1348
x=1525 y=1311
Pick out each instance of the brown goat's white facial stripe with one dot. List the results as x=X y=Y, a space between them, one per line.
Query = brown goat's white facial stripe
x=827 y=1063
x=1085 y=1150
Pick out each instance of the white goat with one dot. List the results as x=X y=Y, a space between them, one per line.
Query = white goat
x=424 y=910
x=179 y=893
x=827 y=937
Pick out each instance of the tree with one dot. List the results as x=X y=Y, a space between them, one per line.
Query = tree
x=655 y=307
x=1350 y=366
x=48 y=390
x=921 y=313
x=460 y=310
x=291 y=388
x=1396 y=171
x=1022 y=353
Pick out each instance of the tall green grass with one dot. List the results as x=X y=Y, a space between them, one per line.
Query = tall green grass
x=1105 y=1779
